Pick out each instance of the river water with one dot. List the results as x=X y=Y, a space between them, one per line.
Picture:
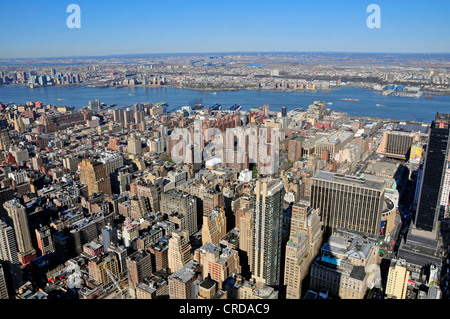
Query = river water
x=371 y=103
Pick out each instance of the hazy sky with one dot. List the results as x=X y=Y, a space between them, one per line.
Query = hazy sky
x=33 y=28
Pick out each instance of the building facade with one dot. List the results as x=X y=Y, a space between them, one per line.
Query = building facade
x=348 y=202
x=267 y=231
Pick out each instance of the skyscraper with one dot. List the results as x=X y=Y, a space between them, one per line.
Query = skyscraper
x=267 y=231
x=5 y=140
x=109 y=236
x=94 y=105
x=348 y=202
x=217 y=261
x=139 y=265
x=134 y=145
x=422 y=242
x=118 y=116
x=214 y=226
x=397 y=282
x=44 y=240
x=3 y=289
x=182 y=283
x=302 y=248
x=179 y=250
x=433 y=177
x=182 y=207
x=93 y=175
x=283 y=111
x=19 y=220
x=245 y=225
x=19 y=126
x=9 y=256
x=102 y=266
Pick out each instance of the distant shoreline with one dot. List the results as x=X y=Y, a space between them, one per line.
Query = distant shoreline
x=332 y=87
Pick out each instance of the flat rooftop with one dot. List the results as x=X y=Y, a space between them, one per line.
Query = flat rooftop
x=411 y=127
x=349 y=180
x=186 y=273
x=336 y=138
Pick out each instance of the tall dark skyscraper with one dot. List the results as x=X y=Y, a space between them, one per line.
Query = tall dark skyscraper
x=9 y=256
x=433 y=174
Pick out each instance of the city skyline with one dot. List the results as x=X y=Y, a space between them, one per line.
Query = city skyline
x=236 y=151
x=289 y=26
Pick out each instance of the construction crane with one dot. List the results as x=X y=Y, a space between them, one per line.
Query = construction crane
x=116 y=283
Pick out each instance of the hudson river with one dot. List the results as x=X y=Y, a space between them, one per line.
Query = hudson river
x=371 y=103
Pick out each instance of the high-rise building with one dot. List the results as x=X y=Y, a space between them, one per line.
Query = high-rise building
x=112 y=161
x=44 y=240
x=103 y=266
x=396 y=144
x=130 y=231
x=3 y=288
x=19 y=126
x=348 y=202
x=245 y=224
x=333 y=143
x=128 y=117
x=345 y=265
x=93 y=175
x=134 y=145
x=160 y=252
x=445 y=198
x=267 y=231
x=150 y=191
x=304 y=216
x=304 y=243
x=94 y=105
x=19 y=220
x=182 y=284
x=139 y=265
x=397 y=282
x=283 y=111
x=433 y=177
x=9 y=256
x=214 y=226
x=294 y=150
x=182 y=207
x=421 y=247
x=118 y=116
x=71 y=163
x=217 y=262
x=5 y=140
x=121 y=253
x=211 y=199
x=109 y=237
x=179 y=253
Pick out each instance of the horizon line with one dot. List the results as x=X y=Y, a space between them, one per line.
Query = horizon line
x=222 y=53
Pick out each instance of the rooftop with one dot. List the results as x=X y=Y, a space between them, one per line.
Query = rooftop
x=349 y=180
x=186 y=273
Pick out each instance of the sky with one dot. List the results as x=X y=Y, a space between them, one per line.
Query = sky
x=33 y=28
